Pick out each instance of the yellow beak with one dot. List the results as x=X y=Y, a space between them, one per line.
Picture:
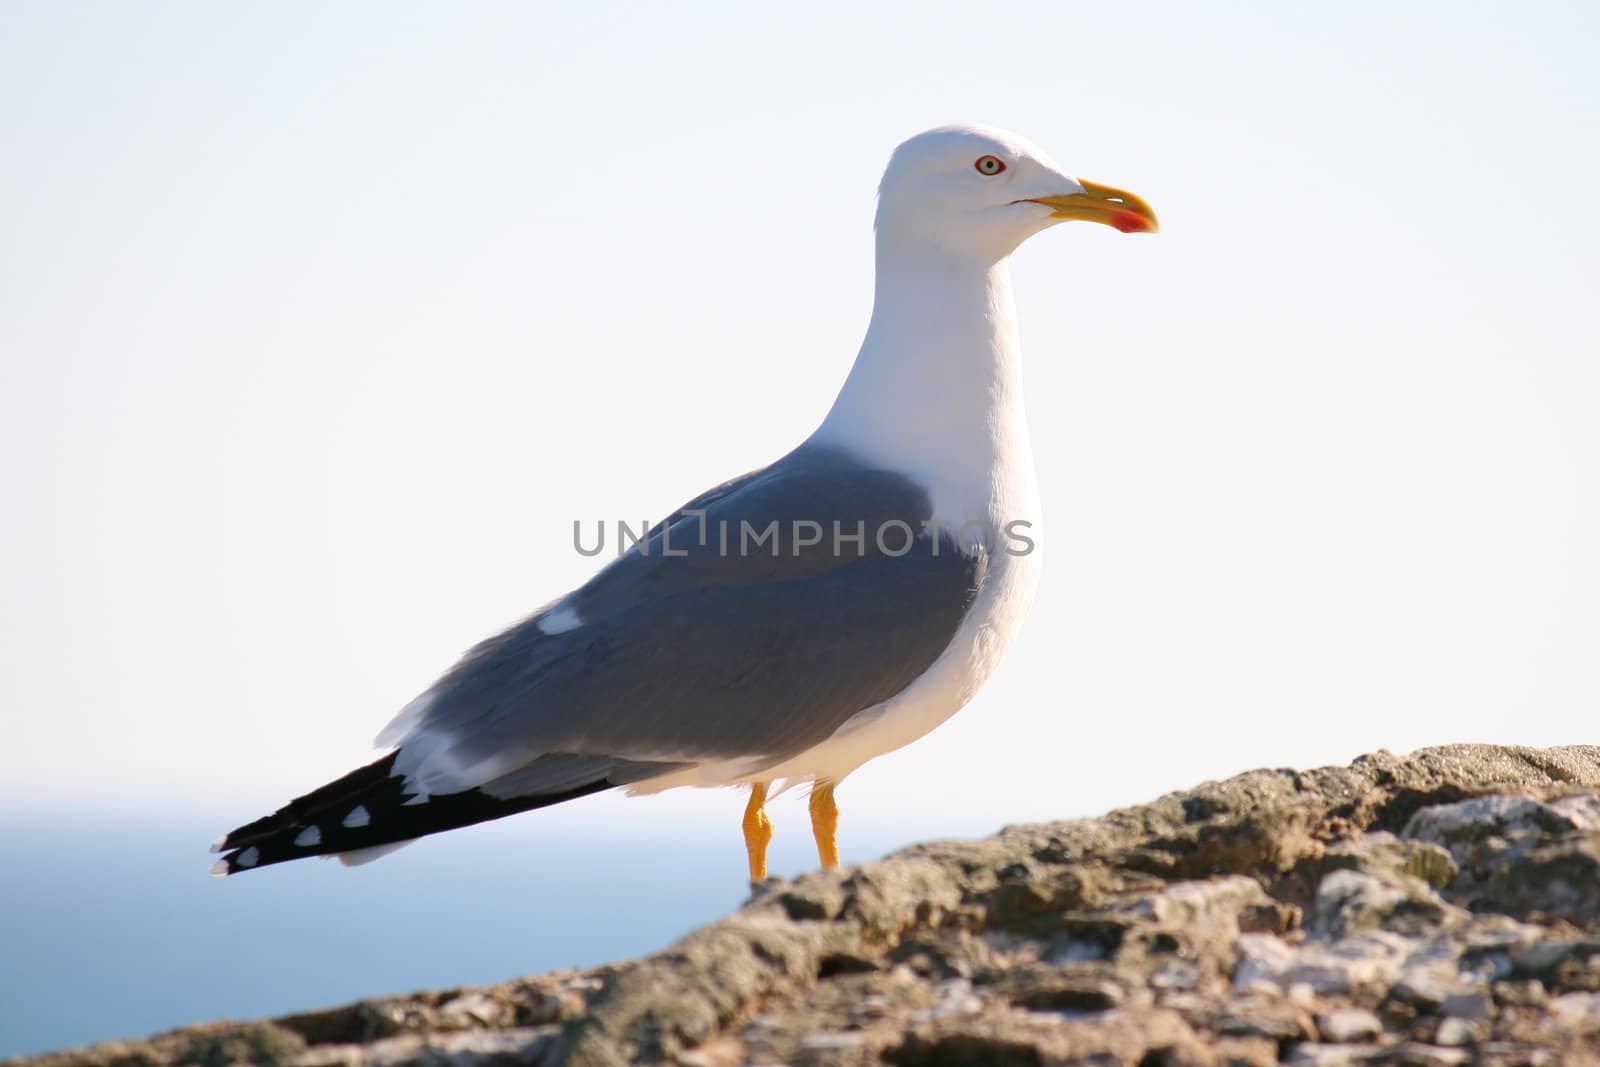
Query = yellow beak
x=1101 y=203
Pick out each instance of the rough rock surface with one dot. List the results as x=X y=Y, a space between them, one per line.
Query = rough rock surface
x=1436 y=909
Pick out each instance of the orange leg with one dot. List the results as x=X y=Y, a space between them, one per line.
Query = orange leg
x=825 y=823
x=757 y=831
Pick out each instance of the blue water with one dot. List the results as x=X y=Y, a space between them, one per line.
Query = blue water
x=117 y=932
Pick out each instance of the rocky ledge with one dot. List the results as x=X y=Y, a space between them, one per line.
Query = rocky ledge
x=1435 y=909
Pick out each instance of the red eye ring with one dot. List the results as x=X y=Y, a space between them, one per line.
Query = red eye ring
x=989 y=166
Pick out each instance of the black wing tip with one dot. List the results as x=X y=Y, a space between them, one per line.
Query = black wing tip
x=379 y=811
x=239 y=859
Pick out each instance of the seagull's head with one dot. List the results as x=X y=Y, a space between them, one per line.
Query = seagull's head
x=987 y=190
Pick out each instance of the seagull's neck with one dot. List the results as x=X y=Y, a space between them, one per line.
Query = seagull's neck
x=937 y=387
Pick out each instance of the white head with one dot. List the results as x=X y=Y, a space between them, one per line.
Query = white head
x=984 y=190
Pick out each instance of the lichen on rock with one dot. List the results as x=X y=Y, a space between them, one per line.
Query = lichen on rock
x=1440 y=908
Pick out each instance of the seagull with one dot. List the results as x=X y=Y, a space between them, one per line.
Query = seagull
x=789 y=625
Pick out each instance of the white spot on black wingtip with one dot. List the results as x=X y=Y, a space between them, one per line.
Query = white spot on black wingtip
x=219 y=869
x=220 y=843
x=357 y=818
x=412 y=800
x=310 y=837
x=248 y=858
x=559 y=621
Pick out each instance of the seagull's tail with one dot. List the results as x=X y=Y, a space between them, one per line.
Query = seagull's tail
x=367 y=813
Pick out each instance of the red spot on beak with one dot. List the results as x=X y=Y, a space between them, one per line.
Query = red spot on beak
x=1128 y=222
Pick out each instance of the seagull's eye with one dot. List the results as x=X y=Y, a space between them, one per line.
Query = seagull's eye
x=989 y=166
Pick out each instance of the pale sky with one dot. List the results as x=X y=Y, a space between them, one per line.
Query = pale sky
x=321 y=323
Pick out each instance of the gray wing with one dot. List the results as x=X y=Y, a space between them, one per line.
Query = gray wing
x=708 y=641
